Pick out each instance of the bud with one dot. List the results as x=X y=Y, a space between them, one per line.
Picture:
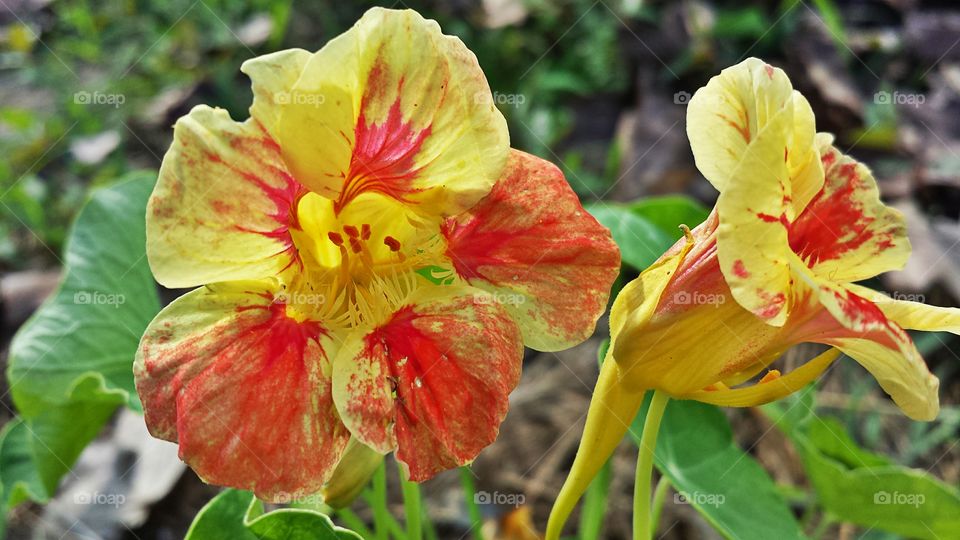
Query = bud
x=352 y=474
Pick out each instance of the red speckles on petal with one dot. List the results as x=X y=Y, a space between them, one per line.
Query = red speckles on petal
x=433 y=380
x=740 y=270
x=531 y=239
x=245 y=386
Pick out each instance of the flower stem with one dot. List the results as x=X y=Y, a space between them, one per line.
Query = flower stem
x=642 y=525
x=659 y=497
x=379 y=502
x=470 y=492
x=412 y=507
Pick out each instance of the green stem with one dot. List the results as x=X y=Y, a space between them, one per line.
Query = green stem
x=379 y=502
x=595 y=504
x=352 y=521
x=470 y=492
x=659 y=497
x=641 y=489
x=412 y=507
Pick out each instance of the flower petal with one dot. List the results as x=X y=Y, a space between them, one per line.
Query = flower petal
x=755 y=210
x=432 y=381
x=727 y=115
x=859 y=328
x=395 y=107
x=273 y=76
x=538 y=252
x=244 y=389
x=222 y=206
x=846 y=233
x=913 y=315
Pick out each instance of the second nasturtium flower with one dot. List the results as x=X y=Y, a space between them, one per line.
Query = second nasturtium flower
x=774 y=265
x=371 y=258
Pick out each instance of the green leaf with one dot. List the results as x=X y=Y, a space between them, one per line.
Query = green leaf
x=696 y=451
x=641 y=241
x=669 y=212
x=91 y=327
x=237 y=515
x=864 y=488
x=71 y=364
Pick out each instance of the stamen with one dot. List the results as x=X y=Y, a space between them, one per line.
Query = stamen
x=392 y=243
x=771 y=375
x=351 y=231
x=355 y=244
x=365 y=231
x=335 y=238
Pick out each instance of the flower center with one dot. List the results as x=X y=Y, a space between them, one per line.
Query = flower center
x=357 y=262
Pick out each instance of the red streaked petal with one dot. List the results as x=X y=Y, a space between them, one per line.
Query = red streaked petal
x=432 y=382
x=859 y=328
x=846 y=233
x=396 y=108
x=222 y=207
x=244 y=389
x=533 y=247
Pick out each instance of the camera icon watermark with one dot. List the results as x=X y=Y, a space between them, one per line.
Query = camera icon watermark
x=898 y=98
x=699 y=499
x=899 y=499
x=682 y=97
x=99 y=98
x=505 y=499
x=99 y=499
x=97 y=298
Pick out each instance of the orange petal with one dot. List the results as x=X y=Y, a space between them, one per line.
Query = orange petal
x=432 y=381
x=846 y=233
x=244 y=389
x=534 y=248
x=223 y=204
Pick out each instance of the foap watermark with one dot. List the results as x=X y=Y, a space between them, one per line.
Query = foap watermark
x=699 y=498
x=696 y=298
x=505 y=499
x=505 y=299
x=899 y=499
x=907 y=297
x=99 y=498
x=297 y=97
x=499 y=98
x=97 y=298
x=99 y=98
x=297 y=298
x=898 y=98
x=310 y=499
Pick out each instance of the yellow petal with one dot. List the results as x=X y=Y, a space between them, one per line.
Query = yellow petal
x=222 y=206
x=725 y=117
x=846 y=233
x=611 y=412
x=273 y=76
x=395 y=107
x=755 y=210
x=860 y=329
x=913 y=315
x=770 y=390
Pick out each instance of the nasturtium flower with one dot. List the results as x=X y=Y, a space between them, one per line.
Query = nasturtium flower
x=774 y=265
x=371 y=257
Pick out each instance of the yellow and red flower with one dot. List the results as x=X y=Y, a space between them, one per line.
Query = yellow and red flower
x=371 y=258
x=774 y=265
